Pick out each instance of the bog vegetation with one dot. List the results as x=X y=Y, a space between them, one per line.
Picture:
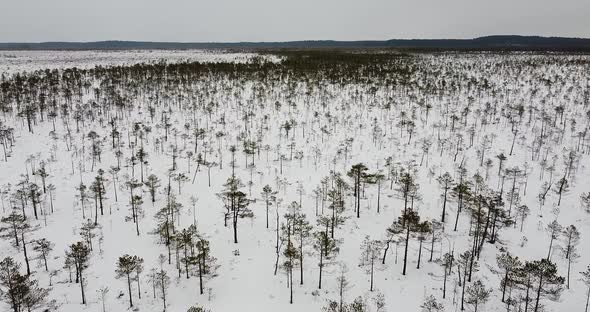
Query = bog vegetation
x=344 y=176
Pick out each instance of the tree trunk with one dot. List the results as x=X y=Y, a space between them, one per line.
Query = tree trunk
x=267 y=214
x=301 y=259
x=45 y=261
x=385 y=252
x=372 y=271
x=587 y=300
x=378 y=197
x=164 y=294
x=444 y=206
x=321 y=267
x=504 y=286
x=25 y=253
x=419 y=255
x=235 y=223
x=201 y=276
x=82 y=288
x=129 y=286
x=457 y=217
x=406 y=250
x=445 y=283
x=538 y=294
x=527 y=298
x=463 y=293
x=569 y=264
x=291 y=284
x=550 y=247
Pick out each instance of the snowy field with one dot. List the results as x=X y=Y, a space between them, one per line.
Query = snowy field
x=19 y=61
x=294 y=128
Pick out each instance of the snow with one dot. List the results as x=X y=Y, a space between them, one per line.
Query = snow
x=27 y=60
x=246 y=282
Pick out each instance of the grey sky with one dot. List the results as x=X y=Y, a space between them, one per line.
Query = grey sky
x=281 y=20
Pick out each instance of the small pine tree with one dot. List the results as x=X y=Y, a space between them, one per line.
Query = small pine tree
x=126 y=265
x=79 y=255
x=369 y=255
x=431 y=305
x=43 y=247
x=152 y=183
x=327 y=248
x=477 y=294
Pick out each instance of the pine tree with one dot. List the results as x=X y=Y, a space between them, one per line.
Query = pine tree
x=43 y=247
x=87 y=232
x=138 y=271
x=369 y=255
x=585 y=199
x=126 y=265
x=553 y=229
x=11 y=282
x=207 y=265
x=79 y=254
x=181 y=178
x=153 y=183
x=238 y=203
x=477 y=294
x=408 y=224
x=359 y=175
x=509 y=266
x=34 y=195
x=291 y=252
x=462 y=193
x=302 y=231
x=548 y=283
x=11 y=225
x=114 y=171
x=43 y=174
x=406 y=184
x=422 y=230
x=571 y=237
x=466 y=264
x=35 y=296
x=136 y=210
x=19 y=228
x=561 y=187
x=184 y=241
x=376 y=178
x=445 y=181
x=99 y=191
x=432 y=305
x=447 y=265
x=83 y=197
x=501 y=158
x=522 y=212
x=336 y=205
x=162 y=281
x=165 y=223
x=19 y=291
x=327 y=249
x=268 y=196
x=197 y=309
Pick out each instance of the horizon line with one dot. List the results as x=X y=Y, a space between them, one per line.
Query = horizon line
x=297 y=40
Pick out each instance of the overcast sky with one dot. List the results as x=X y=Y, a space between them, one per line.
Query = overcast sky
x=282 y=20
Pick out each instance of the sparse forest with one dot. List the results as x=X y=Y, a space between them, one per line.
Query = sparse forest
x=296 y=180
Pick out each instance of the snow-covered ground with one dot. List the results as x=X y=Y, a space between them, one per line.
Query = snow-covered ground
x=357 y=129
x=18 y=61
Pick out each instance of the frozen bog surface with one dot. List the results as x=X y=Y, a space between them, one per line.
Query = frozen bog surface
x=510 y=129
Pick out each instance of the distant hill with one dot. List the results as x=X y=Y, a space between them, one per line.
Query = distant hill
x=481 y=43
